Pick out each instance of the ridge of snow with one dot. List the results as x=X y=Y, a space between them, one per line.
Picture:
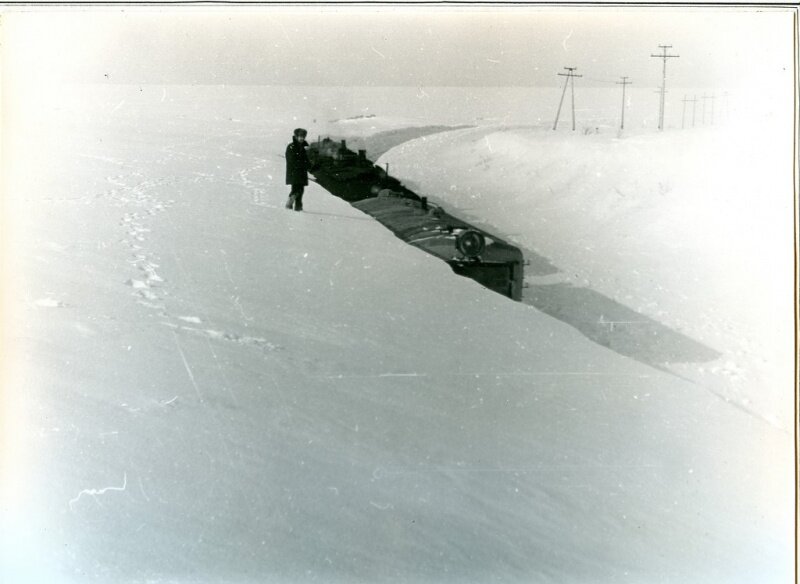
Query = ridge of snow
x=692 y=229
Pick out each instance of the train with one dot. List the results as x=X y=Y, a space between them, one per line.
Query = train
x=468 y=250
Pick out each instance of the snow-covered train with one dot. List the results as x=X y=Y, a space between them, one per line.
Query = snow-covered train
x=469 y=251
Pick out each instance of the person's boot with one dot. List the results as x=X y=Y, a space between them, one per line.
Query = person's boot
x=290 y=202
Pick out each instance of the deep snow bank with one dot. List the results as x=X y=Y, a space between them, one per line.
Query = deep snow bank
x=690 y=229
x=207 y=387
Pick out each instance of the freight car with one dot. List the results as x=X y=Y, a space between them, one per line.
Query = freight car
x=469 y=251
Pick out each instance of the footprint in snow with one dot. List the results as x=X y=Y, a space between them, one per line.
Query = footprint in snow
x=239 y=339
x=258 y=342
x=150 y=272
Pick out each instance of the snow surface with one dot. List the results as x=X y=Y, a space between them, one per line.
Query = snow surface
x=205 y=387
x=692 y=230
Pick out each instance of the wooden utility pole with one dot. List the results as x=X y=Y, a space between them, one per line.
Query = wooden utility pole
x=660 y=94
x=624 y=82
x=725 y=108
x=683 y=115
x=663 y=56
x=570 y=80
x=713 y=97
x=704 y=98
x=686 y=100
x=694 y=109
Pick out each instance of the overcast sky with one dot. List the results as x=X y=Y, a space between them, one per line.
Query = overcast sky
x=418 y=46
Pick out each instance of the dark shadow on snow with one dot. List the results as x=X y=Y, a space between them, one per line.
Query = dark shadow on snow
x=613 y=325
x=603 y=320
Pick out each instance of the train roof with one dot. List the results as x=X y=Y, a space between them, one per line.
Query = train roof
x=431 y=229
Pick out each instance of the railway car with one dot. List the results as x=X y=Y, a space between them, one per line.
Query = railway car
x=469 y=251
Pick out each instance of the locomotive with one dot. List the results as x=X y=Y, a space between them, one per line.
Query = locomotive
x=468 y=250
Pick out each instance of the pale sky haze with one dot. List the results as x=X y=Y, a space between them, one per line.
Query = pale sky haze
x=409 y=45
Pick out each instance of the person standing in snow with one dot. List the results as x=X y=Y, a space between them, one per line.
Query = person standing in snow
x=297 y=166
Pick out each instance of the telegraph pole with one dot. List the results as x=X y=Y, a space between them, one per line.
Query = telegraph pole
x=713 y=97
x=570 y=80
x=704 y=98
x=683 y=115
x=692 y=101
x=572 y=94
x=663 y=56
x=660 y=97
x=624 y=82
x=694 y=109
x=725 y=109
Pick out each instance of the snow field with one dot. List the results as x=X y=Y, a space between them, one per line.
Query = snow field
x=692 y=229
x=216 y=389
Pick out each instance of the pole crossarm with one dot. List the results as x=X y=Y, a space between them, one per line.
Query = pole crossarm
x=570 y=72
x=664 y=54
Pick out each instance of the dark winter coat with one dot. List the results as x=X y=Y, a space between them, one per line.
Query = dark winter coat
x=297 y=163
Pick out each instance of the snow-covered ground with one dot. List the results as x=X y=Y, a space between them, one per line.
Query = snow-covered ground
x=674 y=237
x=204 y=387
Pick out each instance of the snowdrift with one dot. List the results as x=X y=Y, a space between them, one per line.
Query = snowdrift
x=692 y=230
x=206 y=387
